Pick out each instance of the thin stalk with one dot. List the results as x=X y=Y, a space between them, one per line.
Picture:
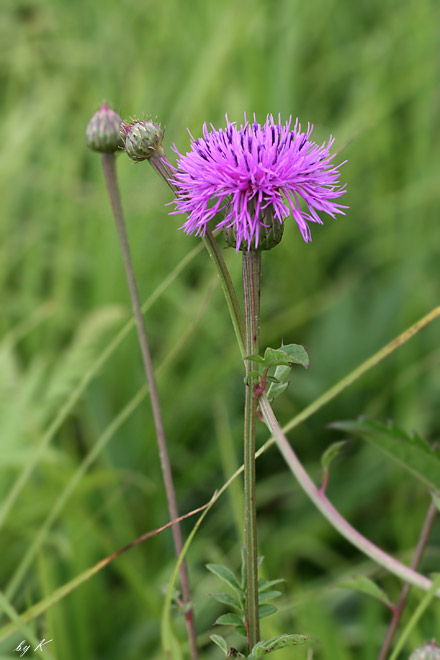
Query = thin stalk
x=251 y=289
x=109 y=167
x=420 y=548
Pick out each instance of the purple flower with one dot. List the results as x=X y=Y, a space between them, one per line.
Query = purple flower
x=252 y=173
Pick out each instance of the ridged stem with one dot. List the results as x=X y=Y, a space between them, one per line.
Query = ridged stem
x=251 y=290
x=109 y=167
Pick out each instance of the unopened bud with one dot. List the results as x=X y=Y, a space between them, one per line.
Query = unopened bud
x=428 y=652
x=269 y=232
x=143 y=139
x=104 y=131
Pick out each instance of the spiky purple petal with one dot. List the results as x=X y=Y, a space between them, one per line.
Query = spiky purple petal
x=244 y=170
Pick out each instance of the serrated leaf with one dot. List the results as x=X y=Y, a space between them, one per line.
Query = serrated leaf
x=226 y=575
x=277 y=643
x=227 y=599
x=263 y=585
x=331 y=452
x=266 y=596
x=229 y=620
x=266 y=610
x=409 y=451
x=221 y=643
x=366 y=586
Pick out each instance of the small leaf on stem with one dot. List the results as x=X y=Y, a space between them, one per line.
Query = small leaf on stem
x=277 y=643
x=366 y=586
x=221 y=643
x=229 y=619
x=226 y=575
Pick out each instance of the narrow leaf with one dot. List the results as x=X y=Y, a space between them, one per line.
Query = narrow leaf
x=263 y=585
x=227 y=599
x=226 y=575
x=366 y=586
x=221 y=643
x=409 y=451
x=277 y=643
x=229 y=620
x=266 y=596
x=331 y=452
x=266 y=610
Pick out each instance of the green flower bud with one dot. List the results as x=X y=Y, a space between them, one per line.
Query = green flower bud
x=104 y=131
x=270 y=232
x=143 y=139
x=428 y=652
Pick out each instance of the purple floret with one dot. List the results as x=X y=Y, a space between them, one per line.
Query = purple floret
x=244 y=170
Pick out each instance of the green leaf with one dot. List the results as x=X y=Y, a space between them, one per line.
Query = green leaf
x=276 y=356
x=266 y=596
x=436 y=500
x=266 y=610
x=331 y=452
x=286 y=355
x=409 y=451
x=277 y=643
x=263 y=585
x=297 y=354
x=294 y=354
x=275 y=389
x=221 y=643
x=255 y=358
x=366 y=586
x=229 y=620
x=227 y=599
x=226 y=575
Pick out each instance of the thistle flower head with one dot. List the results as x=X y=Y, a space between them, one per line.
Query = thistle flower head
x=428 y=652
x=256 y=174
x=143 y=139
x=103 y=131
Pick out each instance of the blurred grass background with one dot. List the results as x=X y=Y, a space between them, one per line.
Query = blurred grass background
x=367 y=72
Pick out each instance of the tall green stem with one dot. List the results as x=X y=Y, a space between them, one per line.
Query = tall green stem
x=109 y=167
x=251 y=289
